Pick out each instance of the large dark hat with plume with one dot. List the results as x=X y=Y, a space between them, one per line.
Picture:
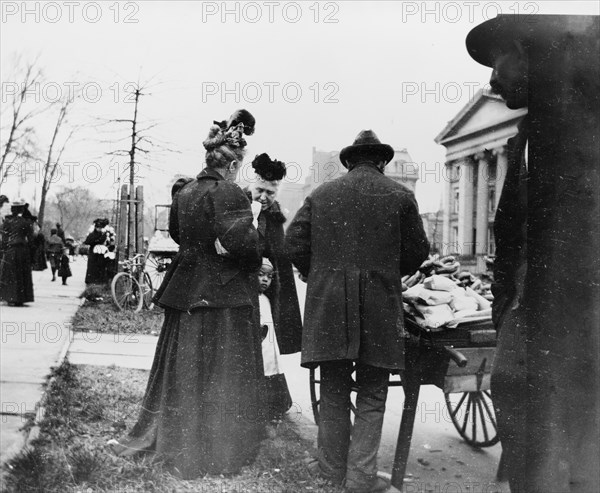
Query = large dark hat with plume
x=268 y=169
x=3 y=199
x=367 y=144
x=230 y=132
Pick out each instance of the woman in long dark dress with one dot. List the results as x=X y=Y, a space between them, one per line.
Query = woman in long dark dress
x=97 y=262
x=282 y=291
x=38 y=247
x=202 y=410
x=16 y=284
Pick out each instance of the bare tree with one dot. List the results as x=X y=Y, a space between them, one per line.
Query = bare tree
x=19 y=141
x=140 y=143
x=77 y=207
x=51 y=164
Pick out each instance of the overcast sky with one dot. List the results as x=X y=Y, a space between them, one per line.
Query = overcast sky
x=312 y=73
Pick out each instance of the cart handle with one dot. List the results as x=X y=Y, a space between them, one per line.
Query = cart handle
x=456 y=356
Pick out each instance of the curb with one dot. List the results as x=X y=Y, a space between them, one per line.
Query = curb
x=33 y=432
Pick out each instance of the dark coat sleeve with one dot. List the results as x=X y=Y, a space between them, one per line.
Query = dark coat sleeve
x=282 y=293
x=174 y=220
x=95 y=238
x=5 y=233
x=297 y=240
x=414 y=243
x=233 y=225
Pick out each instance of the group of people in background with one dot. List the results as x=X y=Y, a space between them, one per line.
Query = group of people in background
x=24 y=248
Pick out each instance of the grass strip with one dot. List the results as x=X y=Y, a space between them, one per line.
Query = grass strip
x=86 y=406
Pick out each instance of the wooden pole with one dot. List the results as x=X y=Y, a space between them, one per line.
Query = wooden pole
x=122 y=225
x=131 y=237
x=139 y=214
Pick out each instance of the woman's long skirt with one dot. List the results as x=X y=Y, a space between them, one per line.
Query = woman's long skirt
x=16 y=284
x=38 y=258
x=202 y=410
x=96 y=268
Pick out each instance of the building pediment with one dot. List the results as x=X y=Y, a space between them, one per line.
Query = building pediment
x=484 y=112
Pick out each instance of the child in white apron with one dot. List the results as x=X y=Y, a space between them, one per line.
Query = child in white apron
x=278 y=397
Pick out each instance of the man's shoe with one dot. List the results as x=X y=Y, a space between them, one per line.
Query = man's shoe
x=314 y=469
x=379 y=485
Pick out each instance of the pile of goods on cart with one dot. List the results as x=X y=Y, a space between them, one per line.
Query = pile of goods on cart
x=440 y=295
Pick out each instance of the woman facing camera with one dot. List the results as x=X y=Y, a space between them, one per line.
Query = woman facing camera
x=284 y=299
x=202 y=408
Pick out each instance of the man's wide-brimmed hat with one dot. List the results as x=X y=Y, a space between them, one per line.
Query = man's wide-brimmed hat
x=367 y=144
x=490 y=38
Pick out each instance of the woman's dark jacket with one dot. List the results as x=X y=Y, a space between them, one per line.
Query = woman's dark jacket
x=282 y=293
x=205 y=209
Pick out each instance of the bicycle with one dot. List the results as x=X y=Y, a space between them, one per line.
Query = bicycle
x=132 y=288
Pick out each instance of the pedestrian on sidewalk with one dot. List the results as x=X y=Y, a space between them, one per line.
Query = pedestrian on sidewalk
x=202 y=411
x=54 y=248
x=3 y=200
x=64 y=271
x=98 y=241
x=277 y=397
x=353 y=240
x=38 y=247
x=16 y=284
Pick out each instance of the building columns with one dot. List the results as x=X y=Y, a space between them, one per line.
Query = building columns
x=465 y=207
x=501 y=170
x=446 y=208
x=481 y=246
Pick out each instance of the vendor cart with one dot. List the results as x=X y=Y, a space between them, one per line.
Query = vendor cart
x=161 y=247
x=457 y=360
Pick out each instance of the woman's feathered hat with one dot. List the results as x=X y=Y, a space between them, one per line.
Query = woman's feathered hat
x=230 y=132
x=268 y=169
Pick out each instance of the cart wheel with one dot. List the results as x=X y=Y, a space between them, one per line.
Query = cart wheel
x=148 y=292
x=156 y=266
x=473 y=416
x=126 y=292
x=315 y=399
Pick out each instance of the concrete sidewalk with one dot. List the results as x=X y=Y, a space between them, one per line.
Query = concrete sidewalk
x=34 y=338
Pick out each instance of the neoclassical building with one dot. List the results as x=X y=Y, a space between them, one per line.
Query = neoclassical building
x=474 y=172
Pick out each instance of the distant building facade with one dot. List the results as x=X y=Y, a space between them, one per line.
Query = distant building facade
x=327 y=166
x=474 y=172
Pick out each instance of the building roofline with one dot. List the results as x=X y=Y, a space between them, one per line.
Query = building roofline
x=474 y=103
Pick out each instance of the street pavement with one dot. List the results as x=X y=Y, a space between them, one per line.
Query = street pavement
x=439 y=461
x=35 y=338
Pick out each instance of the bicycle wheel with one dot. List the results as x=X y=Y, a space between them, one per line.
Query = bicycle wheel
x=147 y=292
x=156 y=266
x=126 y=292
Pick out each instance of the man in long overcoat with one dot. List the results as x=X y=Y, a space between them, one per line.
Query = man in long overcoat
x=353 y=239
x=545 y=380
